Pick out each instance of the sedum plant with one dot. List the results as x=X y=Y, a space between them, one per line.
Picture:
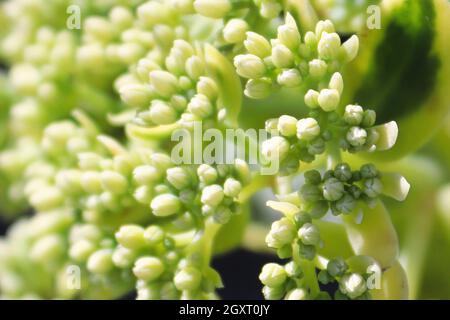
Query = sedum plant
x=88 y=117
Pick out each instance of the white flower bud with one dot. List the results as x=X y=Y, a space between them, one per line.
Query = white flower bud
x=165 y=83
x=324 y=26
x=148 y=268
x=200 y=106
x=317 y=68
x=234 y=31
x=336 y=82
x=257 y=45
x=165 y=205
x=114 y=182
x=152 y=13
x=91 y=182
x=195 y=67
x=249 y=66
x=153 y=235
x=297 y=294
x=282 y=232
x=81 y=250
x=282 y=56
x=275 y=148
x=187 y=278
x=312 y=98
x=216 y=9
x=135 y=95
x=145 y=175
x=353 y=285
x=123 y=257
x=258 y=88
x=289 y=78
x=288 y=33
x=178 y=177
x=309 y=234
x=212 y=195
x=131 y=236
x=270 y=9
x=100 y=261
x=357 y=136
x=307 y=129
x=161 y=113
x=47 y=249
x=232 y=187
x=329 y=44
x=207 y=174
x=287 y=126
x=273 y=275
x=208 y=87
x=46 y=198
x=350 y=48
x=329 y=99
x=353 y=114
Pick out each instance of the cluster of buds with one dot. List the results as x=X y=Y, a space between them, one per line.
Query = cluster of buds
x=288 y=62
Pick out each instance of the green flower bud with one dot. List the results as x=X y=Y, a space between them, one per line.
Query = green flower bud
x=307 y=129
x=309 y=234
x=213 y=9
x=346 y=204
x=373 y=187
x=288 y=33
x=307 y=252
x=165 y=205
x=153 y=235
x=232 y=187
x=222 y=215
x=114 y=182
x=249 y=66
x=328 y=99
x=317 y=147
x=282 y=56
x=178 y=177
x=161 y=113
x=353 y=114
x=368 y=171
x=319 y=209
x=258 y=88
x=317 y=68
x=135 y=95
x=91 y=182
x=275 y=148
x=297 y=294
x=273 y=275
x=324 y=277
x=293 y=269
x=169 y=292
x=369 y=118
x=287 y=126
x=333 y=189
x=313 y=177
x=100 y=261
x=353 y=285
x=123 y=257
x=273 y=293
x=81 y=250
x=165 y=83
x=310 y=192
x=356 y=136
x=282 y=232
x=257 y=45
x=343 y=172
x=188 y=278
x=235 y=31
x=289 y=78
x=212 y=195
x=329 y=45
x=131 y=236
x=200 y=106
x=312 y=98
x=336 y=267
x=47 y=249
x=207 y=87
x=148 y=268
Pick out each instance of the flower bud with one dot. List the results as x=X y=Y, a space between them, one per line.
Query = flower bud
x=373 y=187
x=200 y=106
x=232 y=187
x=273 y=275
x=343 y=172
x=309 y=234
x=336 y=82
x=368 y=171
x=165 y=205
x=297 y=294
x=275 y=148
x=207 y=174
x=81 y=250
x=282 y=232
x=329 y=44
x=131 y=236
x=336 y=267
x=165 y=83
x=350 y=48
x=249 y=66
x=307 y=129
x=353 y=114
x=114 y=182
x=313 y=177
x=369 y=118
x=257 y=45
x=258 y=88
x=234 y=31
x=288 y=33
x=100 y=261
x=293 y=269
x=273 y=293
x=329 y=99
x=46 y=249
x=353 y=285
x=332 y=189
x=145 y=175
x=91 y=182
x=153 y=235
x=310 y=192
x=287 y=126
x=212 y=195
x=135 y=95
x=356 y=136
x=270 y=9
x=195 y=67
x=148 y=268
x=188 y=278
x=317 y=68
x=346 y=204
x=123 y=257
x=289 y=78
x=282 y=56
x=178 y=177
x=207 y=87
x=216 y=9
x=312 y=98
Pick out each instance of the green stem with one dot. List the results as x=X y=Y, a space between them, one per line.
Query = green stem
x=309 y=272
